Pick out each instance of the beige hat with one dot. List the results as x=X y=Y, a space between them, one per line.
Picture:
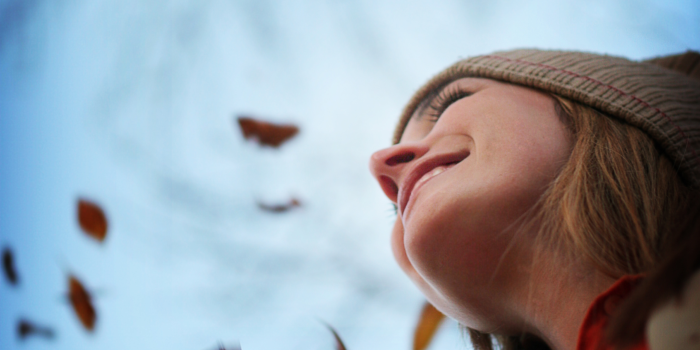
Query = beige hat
x=663 y=102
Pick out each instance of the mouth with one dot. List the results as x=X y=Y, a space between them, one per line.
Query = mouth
x=423 y=173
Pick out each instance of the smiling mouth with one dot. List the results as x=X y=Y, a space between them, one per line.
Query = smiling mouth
x=424 y=173
x=429 y=175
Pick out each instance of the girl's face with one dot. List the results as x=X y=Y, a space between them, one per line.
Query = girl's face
x=473 y=159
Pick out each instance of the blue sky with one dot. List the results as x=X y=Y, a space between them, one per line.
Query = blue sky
x=131 y=103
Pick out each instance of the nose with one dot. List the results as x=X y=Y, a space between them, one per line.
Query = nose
x=387 y=165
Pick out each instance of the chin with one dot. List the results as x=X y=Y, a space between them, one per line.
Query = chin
x=399 y=250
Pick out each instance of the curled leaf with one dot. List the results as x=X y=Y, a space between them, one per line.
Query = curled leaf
x=82 y=303
x=26 y=328
x=8 y=265
x=267 y=134
x=92 y=219
x=428 y=323
x=280 y=208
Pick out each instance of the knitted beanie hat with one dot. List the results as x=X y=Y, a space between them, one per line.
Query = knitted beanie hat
x=662 y=102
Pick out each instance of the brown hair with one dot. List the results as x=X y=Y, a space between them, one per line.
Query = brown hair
x=614 y=204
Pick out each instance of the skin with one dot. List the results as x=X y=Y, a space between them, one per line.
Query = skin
x=458 y=236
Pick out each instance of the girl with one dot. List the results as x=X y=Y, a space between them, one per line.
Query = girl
x=535 y=190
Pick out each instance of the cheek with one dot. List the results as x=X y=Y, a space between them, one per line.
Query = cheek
x=459 y=238
x=454 y=257
x=456 y=243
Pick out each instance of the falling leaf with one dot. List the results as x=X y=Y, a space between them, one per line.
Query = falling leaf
x=82 y=305
x=338 y=342
x=8 y=265
x=222 y=347
x=428 y=323
x=92 y=219
x=26 y=328
x=280 y=208
x=265 y=133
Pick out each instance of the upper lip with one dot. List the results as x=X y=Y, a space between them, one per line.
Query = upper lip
x=421 y=169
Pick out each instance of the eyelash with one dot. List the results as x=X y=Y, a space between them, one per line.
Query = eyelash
x=444 y=99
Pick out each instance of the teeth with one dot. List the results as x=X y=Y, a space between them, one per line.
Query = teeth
x=429 y=175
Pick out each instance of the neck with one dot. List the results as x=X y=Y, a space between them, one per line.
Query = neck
x=556 y=302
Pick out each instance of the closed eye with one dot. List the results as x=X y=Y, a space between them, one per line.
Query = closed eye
x=447 y=96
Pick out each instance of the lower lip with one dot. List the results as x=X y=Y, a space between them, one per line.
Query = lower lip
x=415 y=190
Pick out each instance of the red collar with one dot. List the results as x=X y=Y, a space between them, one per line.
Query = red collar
x=591 y=336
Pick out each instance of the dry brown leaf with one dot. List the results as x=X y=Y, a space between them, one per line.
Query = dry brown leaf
x=280 y=208
x=8 y=265
x=82 y=303
x=26 y=328
x=267 y=134
x=92 y=219
x=338 y=342
x=221 y=346
x=428 y=323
